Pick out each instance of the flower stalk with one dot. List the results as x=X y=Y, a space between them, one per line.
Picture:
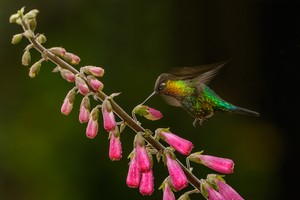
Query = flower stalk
x=140 y=174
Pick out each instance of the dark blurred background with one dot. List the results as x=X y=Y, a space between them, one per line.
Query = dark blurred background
x=45 y=155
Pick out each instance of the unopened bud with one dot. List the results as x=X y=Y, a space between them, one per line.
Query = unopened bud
x=34 y=69
x=26 y=58
x=32 y=24
x=93 y=70
x=28 y=34
x=84 y=111
x=148 y=112
x=31 y=14
x=71 y=58
x=67 y=75
x=19 y=21
x=67 y=105
x=16 y=38
x=95 y=83
x=21 y=12
x=109 y=121
x=58 y=51
x=185 y=196
x=41 y=39
x=13 y=18
x=92 y=127
x=82 y=86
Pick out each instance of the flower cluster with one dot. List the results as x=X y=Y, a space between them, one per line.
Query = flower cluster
x=216 y=188
x=87 y=84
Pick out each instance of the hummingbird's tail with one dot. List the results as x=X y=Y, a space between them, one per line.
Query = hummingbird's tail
x=244 y=111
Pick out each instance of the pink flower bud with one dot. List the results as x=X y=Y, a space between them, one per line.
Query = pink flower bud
x=82 y=86
x=147 y=183
x=58 y=51
x=222 y=165
x=227 y=191
x=67 y=75
x=212 y=193
x=168 y=193
x=183 y=146
x=84 y=111
x=115 y=147
x=92 y=127
x=67 y=105
x=148 y=112
x=109 y=121
x=35 y=69
x=177 y=175
x=93 y=70
x=134 y=175
x=71 y=58
x=95 y=83
x=143 y=159
x=96 y=71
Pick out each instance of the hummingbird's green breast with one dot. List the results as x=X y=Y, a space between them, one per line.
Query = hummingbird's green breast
x=201 y=104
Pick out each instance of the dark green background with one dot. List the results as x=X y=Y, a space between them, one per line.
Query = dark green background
x=45 y=155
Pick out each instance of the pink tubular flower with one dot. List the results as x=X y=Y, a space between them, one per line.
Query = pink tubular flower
x=168 y=193
x=227 y=191
x=177 y=175
x=84 y=111
x=134 y=175
x=82 y=86
x=92 y=127
x=183 y=146
x=143 y=159
x=67 y=75
x=67 y=106
x=109 y=121
x=147 y=183
x=222 y=165
x=213 y=194
x=115 y=147
x=148 y=112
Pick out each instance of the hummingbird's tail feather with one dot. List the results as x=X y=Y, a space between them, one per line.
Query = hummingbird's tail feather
x=245 y=111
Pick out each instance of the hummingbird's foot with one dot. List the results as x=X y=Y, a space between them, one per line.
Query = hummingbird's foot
x=200 y=121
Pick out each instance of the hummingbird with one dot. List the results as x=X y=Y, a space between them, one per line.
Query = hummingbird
x=187 y=87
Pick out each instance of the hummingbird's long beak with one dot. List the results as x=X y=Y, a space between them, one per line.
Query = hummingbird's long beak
x=152 y=94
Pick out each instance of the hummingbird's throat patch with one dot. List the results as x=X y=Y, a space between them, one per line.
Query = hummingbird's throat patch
x=178 y=88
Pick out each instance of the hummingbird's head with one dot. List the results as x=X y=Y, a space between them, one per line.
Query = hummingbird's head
x=161 y=83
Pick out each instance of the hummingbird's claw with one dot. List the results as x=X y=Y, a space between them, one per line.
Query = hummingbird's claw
x=200 y=121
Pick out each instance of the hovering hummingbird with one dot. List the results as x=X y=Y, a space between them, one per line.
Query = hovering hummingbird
x=186 y=87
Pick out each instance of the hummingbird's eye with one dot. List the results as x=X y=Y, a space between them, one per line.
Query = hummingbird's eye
x=161 y=86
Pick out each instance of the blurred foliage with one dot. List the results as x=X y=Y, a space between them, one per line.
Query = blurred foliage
x=46 y=155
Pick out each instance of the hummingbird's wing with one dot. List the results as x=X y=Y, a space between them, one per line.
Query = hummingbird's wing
x=171 y=101
x=202 y=73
